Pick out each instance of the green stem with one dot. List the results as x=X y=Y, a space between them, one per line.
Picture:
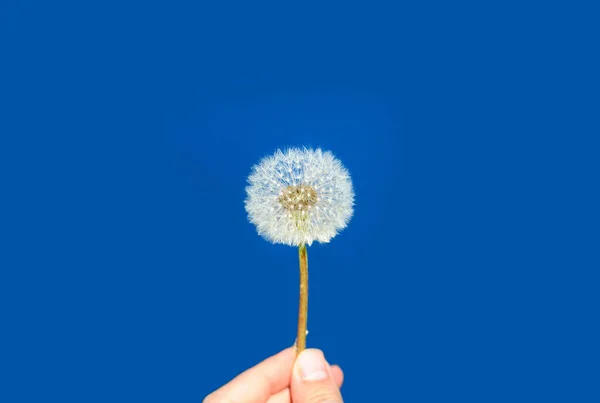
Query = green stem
x=303 y=306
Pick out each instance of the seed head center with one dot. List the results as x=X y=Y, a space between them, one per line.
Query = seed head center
x=298 y=198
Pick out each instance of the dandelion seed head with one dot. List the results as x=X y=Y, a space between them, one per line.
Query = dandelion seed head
x=299 y=196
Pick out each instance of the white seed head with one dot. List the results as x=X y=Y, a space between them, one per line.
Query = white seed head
x=299 y=196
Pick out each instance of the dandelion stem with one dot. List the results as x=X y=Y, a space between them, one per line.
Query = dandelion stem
x=303 y=306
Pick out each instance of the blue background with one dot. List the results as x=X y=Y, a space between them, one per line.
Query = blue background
x=129 y=271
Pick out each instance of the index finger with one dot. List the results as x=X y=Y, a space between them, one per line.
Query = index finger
x=258 y=383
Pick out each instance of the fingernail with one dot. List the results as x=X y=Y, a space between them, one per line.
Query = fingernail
x=312 y=365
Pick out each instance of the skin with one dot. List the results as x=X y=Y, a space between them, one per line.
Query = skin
x=283 y=379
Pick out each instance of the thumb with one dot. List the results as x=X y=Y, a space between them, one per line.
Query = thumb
x=312 y=381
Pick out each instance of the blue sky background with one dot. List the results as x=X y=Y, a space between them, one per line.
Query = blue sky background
x=129 y=271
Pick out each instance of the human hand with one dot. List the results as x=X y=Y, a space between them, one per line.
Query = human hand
x=278 y=379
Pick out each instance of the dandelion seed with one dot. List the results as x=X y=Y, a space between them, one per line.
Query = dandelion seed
x=323 y=182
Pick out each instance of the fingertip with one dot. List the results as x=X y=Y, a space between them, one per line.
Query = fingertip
x=314 y=380
x=310 y=365
x=289 y=351
x=337 y=374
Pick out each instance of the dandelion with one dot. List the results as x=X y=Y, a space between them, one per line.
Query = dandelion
x=297 y=197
